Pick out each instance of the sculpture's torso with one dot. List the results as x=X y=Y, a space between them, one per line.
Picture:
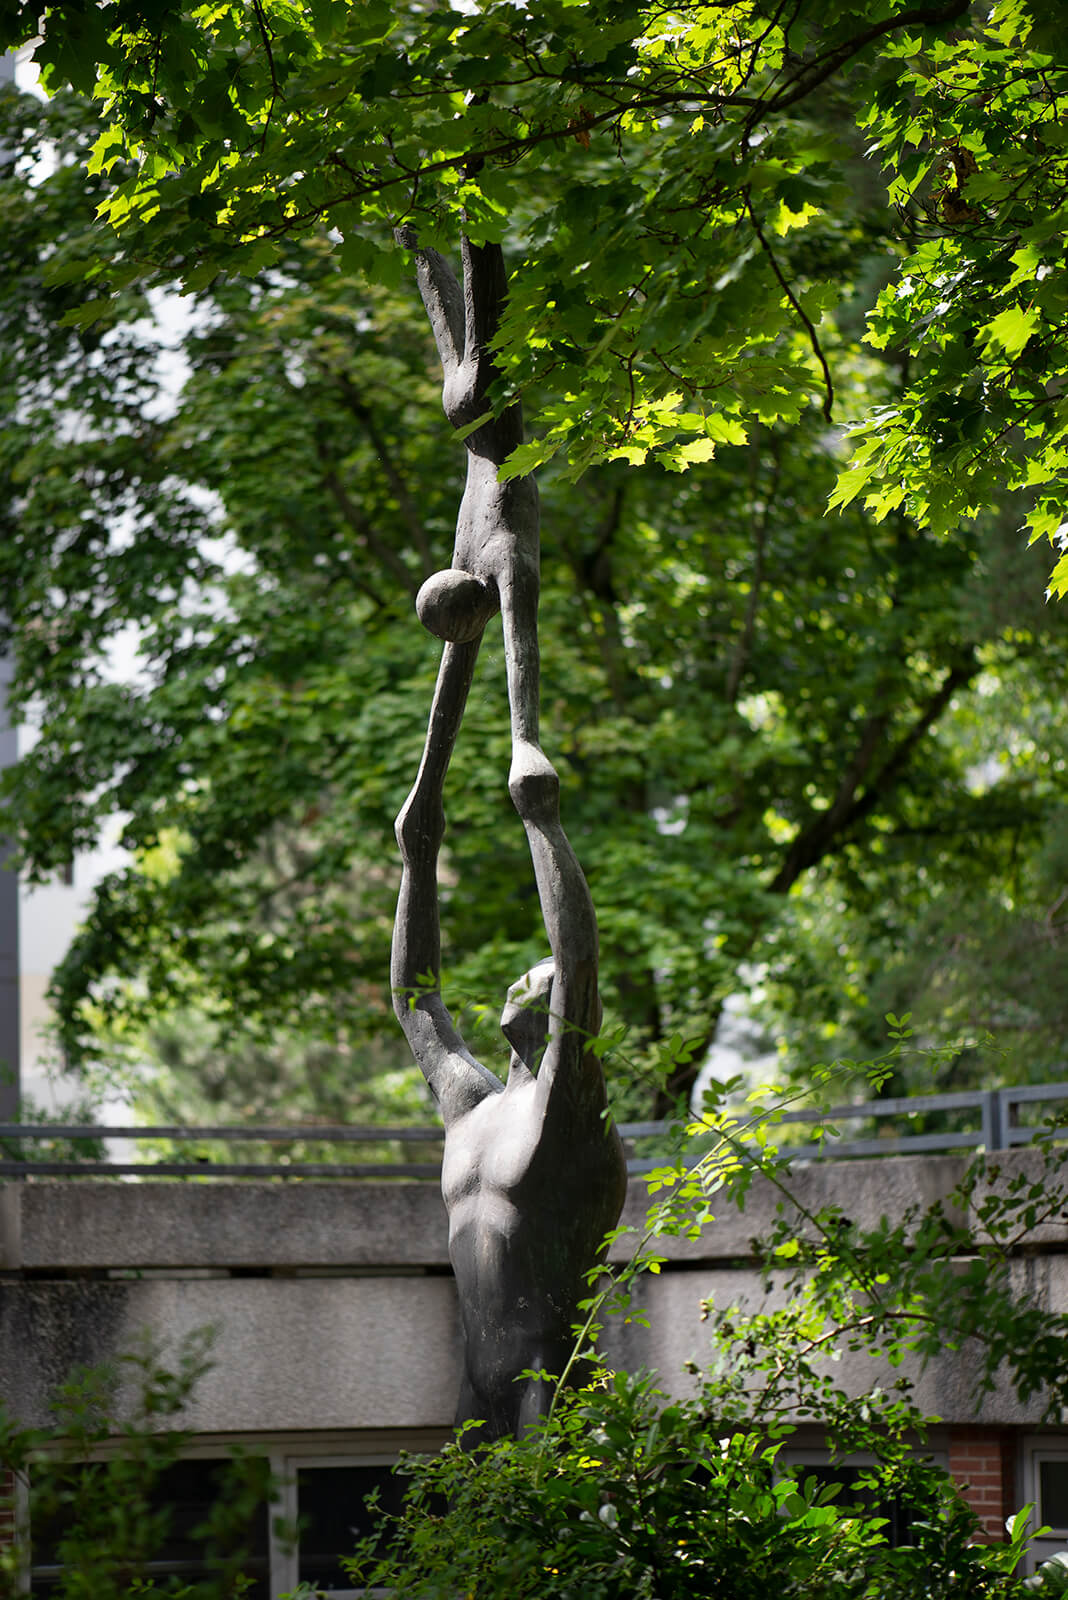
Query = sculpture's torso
x=497 y=527
x=529 y=1205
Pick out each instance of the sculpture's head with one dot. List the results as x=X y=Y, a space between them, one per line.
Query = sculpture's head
x=525 y=1018
x=455 y=605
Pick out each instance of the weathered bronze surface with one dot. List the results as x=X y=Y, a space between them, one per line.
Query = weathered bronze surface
x=533 y=1173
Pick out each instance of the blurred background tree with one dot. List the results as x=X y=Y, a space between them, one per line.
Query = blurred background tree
x=815 y=760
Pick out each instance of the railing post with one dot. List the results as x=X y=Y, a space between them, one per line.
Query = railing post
x=993 y=1120
x=1010 y=1115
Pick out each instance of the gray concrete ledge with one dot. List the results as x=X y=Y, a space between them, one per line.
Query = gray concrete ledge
x=288 y=1355
x=85 y=1226
x=315 y=1355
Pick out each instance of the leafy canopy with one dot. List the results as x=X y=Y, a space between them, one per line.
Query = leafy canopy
x=645 y=164
x=768 y=722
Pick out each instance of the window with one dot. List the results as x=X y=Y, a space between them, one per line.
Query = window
x=320 y=1486
x=329 y=1504
x=1053 y=1490
x=847 y=1474
x=850 y=1492
x=1044 y=1484
x=187 y=1532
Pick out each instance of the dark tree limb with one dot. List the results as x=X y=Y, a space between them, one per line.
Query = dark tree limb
x=743 y=649
x=811 y=74
x=827 y=829
x=593 y=573
x=799 y=310
x=391 y=472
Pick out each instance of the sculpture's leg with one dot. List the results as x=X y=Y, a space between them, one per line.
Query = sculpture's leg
x=470 y=1409
x=526 y=1402
x=535 y=1399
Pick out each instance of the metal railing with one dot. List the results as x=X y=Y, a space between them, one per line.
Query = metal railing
x=995 y=1112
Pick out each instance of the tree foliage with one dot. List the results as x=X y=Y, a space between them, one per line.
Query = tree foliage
x=744 y=697
x=644 y=163
x=973 y=135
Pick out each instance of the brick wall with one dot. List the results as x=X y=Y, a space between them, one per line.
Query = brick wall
x=982 y=1465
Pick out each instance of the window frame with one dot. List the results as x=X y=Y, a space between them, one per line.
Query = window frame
x=1034 y=1449
x=289 y=1557
x=286 y=1454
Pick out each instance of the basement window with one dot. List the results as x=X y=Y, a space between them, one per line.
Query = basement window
x=1044 y=1484
x=190 y=1531
x=846 y=1477
x=1053 y=1491
x=317 y=1516
x=329 y=1503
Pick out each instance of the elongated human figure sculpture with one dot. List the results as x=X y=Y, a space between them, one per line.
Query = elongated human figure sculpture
x=533 y=1174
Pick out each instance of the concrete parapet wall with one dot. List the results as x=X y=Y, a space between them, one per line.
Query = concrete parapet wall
x=289 y=1355
x=86 y=1225
x=135 y=1226
x=334 y=1304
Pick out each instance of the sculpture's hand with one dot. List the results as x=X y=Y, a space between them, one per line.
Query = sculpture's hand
x=533 y=785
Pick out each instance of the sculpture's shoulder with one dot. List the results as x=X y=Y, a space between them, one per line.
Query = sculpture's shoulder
x=461 y=1086
x=456 y=1080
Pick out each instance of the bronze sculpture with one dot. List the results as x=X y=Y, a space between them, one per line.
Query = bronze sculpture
x=533 y=1173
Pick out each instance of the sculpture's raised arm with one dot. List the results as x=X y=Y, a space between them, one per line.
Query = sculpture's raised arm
x=485 y=288
x=456 y=1079
x=464 y=319
x=495 y=561
x=569 y=1070
x=443 y=299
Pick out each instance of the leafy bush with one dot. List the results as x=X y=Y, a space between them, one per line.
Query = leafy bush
x=625 y=1494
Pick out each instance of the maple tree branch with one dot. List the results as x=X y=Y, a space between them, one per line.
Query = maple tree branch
x=817 y=348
